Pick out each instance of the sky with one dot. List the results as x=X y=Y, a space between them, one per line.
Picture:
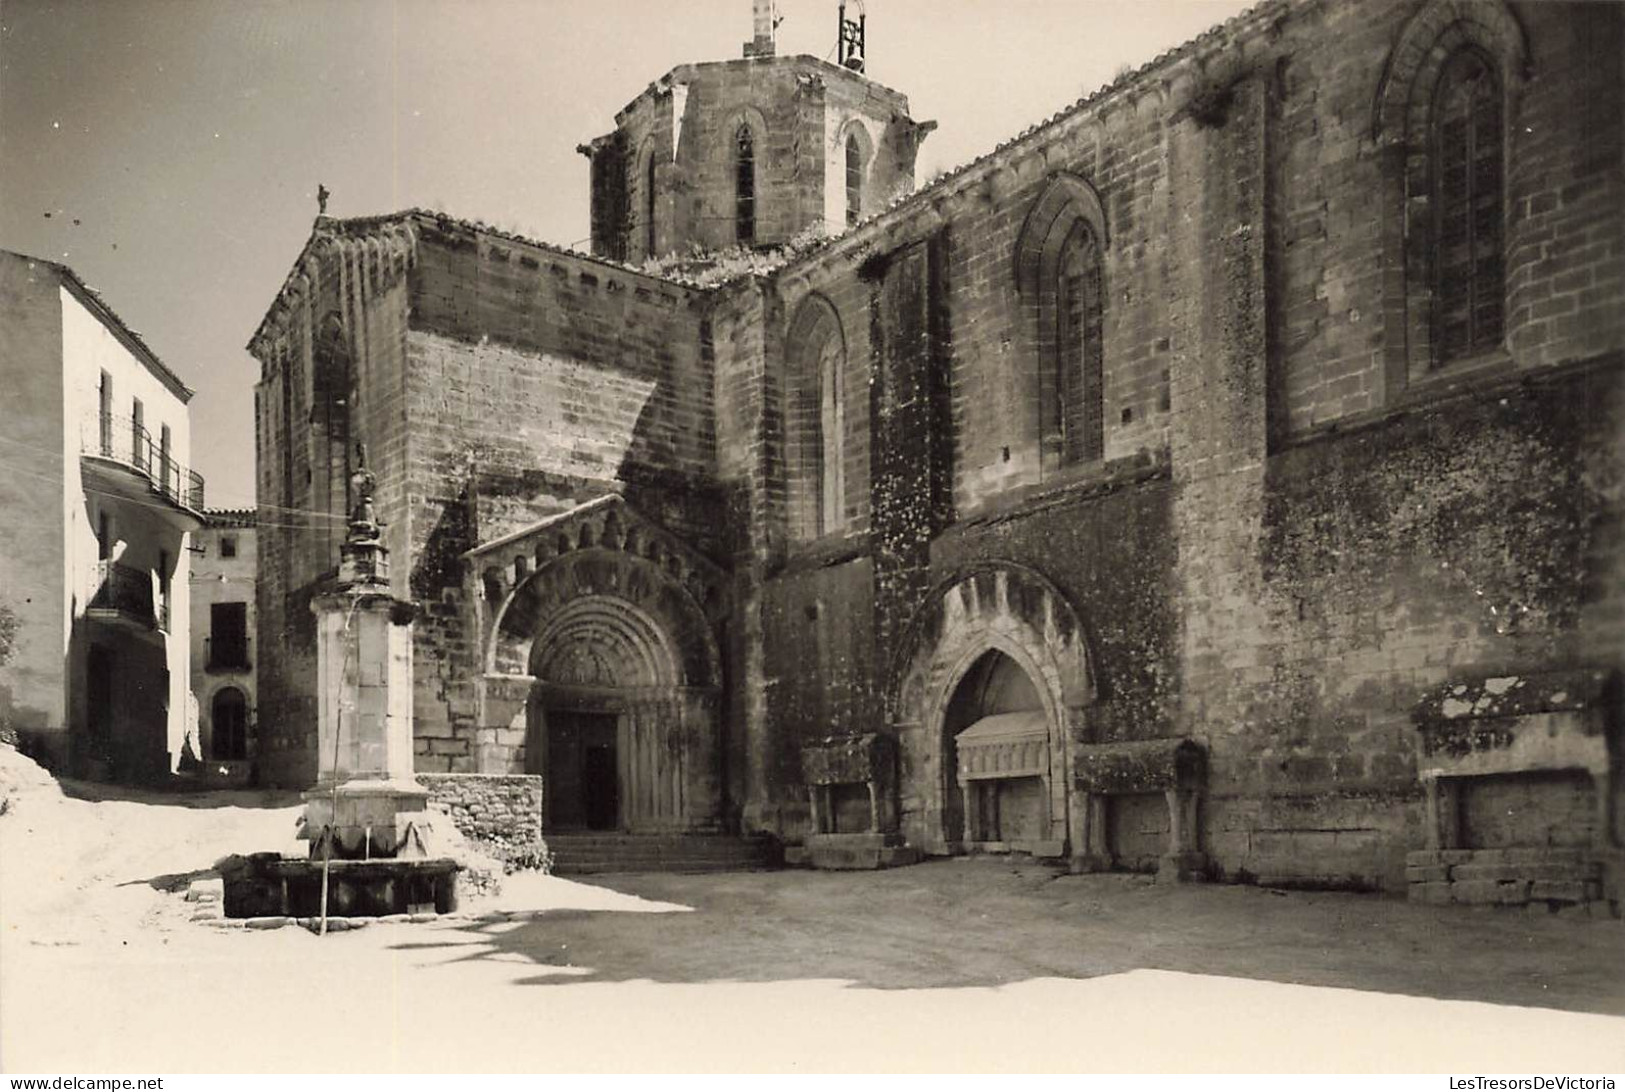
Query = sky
x=176 y=145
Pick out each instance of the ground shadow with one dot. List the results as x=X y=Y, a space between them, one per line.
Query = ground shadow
x=179 y=794
x=172 y=883
x=951 y=924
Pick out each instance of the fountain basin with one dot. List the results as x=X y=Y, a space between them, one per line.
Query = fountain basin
x=270 y=885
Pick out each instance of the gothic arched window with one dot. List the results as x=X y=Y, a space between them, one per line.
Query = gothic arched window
x=854 y=179
x=744 y=187
x=1074 y=426
x=1442 y=122
x=831 y=361
x=816 y=421
x=1059 y=274
x=1469 y=289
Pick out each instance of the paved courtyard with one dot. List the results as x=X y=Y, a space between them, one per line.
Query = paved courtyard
x=979 y=964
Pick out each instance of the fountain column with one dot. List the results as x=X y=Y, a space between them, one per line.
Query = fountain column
x=366 y=801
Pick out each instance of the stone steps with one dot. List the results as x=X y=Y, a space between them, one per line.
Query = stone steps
x=590 y=853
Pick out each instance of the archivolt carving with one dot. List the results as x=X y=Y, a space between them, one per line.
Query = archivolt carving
x=1004 y=607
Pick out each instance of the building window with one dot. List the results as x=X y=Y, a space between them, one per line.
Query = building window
x=105 y=416
x=104 y=537
x=228 y=545
x=228 y=725
x=649 y=208
x=1469 y=290
x=139 y=446
x=1060 y=277
x=1074 y=423
x=165 y=468
x=816 y=422
x=832 y=435
x=228 y=637
x=745 y=187
x=854 y=180
x=1441 y=122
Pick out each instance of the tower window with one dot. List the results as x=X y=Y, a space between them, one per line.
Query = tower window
x=745 y=187
x=854 y=180
x=1468 y=276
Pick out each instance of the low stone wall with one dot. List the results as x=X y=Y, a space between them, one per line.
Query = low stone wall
x=500 y=812
x=1554 y=876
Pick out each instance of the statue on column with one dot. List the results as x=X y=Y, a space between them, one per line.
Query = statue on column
x=363 y=483
x=363 y=556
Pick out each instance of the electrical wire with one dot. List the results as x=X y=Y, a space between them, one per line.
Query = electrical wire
x=311 y=512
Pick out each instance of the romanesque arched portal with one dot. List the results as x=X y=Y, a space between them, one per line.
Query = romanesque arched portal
x=599 y=644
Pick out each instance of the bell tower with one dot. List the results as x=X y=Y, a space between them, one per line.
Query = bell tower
x=716 y=155
x=764 y=25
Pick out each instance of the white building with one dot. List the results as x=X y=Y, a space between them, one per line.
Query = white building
x=95 y=513
x=223 y=620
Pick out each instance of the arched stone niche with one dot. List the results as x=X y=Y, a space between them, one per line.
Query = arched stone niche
x=596 y=624
x=1019 y=614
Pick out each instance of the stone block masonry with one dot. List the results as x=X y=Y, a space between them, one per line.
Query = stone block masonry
x=500 y=812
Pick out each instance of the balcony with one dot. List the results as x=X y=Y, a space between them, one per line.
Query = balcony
x=225 y=656
x=122 y=458
x=124 y=596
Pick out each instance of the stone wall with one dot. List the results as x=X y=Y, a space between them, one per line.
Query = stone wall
x=1242 y=198
x=33 y=537
x=501 y=813
x=336 y=339
x=537 y=380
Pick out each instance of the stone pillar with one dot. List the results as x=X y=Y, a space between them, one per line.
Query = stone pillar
x=366 y=801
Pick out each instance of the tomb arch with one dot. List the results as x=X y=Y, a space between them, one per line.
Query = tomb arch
x=1009 y=613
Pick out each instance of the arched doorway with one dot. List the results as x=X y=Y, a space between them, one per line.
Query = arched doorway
x=228 y=725
x=996 y=746
x=608 y=718
x=603 y=673
x=992 y=688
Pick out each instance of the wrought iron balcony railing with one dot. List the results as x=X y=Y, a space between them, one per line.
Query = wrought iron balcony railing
x=124 y=441
x=127 y=593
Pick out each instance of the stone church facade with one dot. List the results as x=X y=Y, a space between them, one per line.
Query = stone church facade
x=1226 y=471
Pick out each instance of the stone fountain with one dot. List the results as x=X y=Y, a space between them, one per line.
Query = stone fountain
x=373 y=845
